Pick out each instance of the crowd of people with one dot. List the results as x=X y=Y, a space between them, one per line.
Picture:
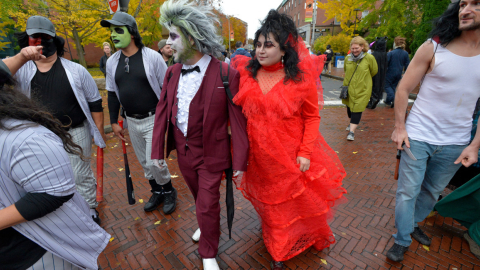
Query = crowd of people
x=253 y=118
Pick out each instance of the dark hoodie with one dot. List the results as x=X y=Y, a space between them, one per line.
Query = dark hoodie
x=241 y=51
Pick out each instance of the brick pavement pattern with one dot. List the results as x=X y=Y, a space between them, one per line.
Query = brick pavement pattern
x=363 y=226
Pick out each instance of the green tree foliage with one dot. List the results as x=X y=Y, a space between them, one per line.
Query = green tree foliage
x=340 y=43
x=433 y=9
x=393 y=18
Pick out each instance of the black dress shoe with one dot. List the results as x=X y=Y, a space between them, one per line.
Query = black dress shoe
x=154 y=201
x=170 y=202
x=277 y=265
x=96 y=218
x=396 y=252
x=421 y=237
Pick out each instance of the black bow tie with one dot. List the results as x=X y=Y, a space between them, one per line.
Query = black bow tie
x=186 y=71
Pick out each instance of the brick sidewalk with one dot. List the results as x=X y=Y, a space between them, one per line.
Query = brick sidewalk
x=363 y=226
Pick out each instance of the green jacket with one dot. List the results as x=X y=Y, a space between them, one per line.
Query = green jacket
x=360 y=88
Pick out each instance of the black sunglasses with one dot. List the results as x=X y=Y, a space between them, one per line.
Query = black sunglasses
x=127 y=67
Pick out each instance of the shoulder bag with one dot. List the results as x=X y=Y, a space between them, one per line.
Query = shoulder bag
x=343 y=88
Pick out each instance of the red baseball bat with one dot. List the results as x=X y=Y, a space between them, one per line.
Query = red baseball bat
x=128 y=177
x=99 y=174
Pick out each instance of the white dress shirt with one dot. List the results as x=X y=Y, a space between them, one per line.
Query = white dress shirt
x=187 y=89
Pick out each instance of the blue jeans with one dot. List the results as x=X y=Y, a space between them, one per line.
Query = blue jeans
x=420 y=183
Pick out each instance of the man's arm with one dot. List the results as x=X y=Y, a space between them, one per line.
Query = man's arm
x=98 y=119
x=238 y=124
x=26 y=54
x=418 y=68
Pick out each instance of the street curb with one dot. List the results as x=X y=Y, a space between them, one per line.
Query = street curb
x=333 y=77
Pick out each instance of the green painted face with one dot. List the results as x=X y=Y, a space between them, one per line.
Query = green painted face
x=120 y=36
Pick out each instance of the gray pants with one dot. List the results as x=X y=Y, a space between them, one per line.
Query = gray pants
x=141 y=132
x=84 y=178
x=50 y=261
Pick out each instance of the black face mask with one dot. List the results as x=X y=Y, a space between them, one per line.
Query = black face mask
x=49 y=47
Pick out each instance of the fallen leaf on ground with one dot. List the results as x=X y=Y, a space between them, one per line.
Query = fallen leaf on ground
x=174 y=176
x=381 y=124
x=361 y=129
x=355 y=152
x=170 y=159
x=140 y=200
x=94 y=155
x=337 y=152
x=126 y=143
x=158 y=222
x=426 y=248
x=111 y=239
x=370 y=150
x=239 y=208
x=137 y=218
x=344 y=233
x=120 y=169
x=324 y=261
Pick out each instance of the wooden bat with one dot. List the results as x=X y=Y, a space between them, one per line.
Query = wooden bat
x=99 y=174
x=399 y=153
x=128 y=177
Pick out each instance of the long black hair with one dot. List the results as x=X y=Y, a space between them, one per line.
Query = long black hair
x=446 y=26
x=283 y=30
x=15 y=105
x=136 y=36
x=22 y=38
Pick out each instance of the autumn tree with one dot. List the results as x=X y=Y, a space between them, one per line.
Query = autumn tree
x=340 y=43
x=344 y=12
x=7 y=25
x=238 y=27
x=393 y=18
x=80 y=20
x=433 y=9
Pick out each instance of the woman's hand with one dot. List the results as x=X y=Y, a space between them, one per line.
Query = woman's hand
x=304 y=164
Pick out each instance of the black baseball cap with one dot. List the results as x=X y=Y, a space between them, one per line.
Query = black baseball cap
x=120 y=19
x=39 y=24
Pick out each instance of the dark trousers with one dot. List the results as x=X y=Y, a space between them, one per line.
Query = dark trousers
x=390 y=89
x=205 y=187
x=354 y=116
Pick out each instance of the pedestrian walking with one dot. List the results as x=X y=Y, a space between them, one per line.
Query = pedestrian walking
x=293 y=178
x=44 y=221
x=194 y=111
x=378 y=86
x=103 y=61
x=166 y=51
x=240 y=50
x=359 y=68
x=134 y=80
x=328 y=64
x=437 y=130
x=67 y=91
x=398 y=61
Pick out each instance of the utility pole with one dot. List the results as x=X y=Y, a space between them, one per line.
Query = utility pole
x=228 y=18
x=314 y=22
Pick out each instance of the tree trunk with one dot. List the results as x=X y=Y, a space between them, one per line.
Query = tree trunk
x=78 y=45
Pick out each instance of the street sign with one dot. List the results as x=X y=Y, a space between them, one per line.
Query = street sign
x=113 y=4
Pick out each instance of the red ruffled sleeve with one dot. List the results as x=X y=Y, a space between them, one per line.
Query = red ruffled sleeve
x=311 y=118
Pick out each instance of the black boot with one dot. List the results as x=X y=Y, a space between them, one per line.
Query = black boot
x=170 y=201
x=396 y=252
x=277 y=265
x=154 y=201
x=421 y=237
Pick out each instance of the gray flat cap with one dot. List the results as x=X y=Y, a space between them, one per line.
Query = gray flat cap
x=39 y=24
x=120 y=19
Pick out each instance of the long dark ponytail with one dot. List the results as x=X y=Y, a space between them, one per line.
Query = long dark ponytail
x=15 y=105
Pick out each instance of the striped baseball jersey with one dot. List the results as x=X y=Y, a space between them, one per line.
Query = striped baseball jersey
x=82 y=83
x=33 y=160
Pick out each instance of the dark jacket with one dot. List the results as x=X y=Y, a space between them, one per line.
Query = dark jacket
x=103 y=64
x=217 y=111
x=398 y=60
x=241 y=51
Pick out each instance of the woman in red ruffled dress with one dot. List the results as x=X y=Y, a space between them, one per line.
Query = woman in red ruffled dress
x=293 y=177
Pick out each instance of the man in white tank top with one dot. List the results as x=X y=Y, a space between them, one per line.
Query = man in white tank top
x=438 y=127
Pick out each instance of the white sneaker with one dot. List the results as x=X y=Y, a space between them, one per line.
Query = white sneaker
x=210 y=264
x=196 y=235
